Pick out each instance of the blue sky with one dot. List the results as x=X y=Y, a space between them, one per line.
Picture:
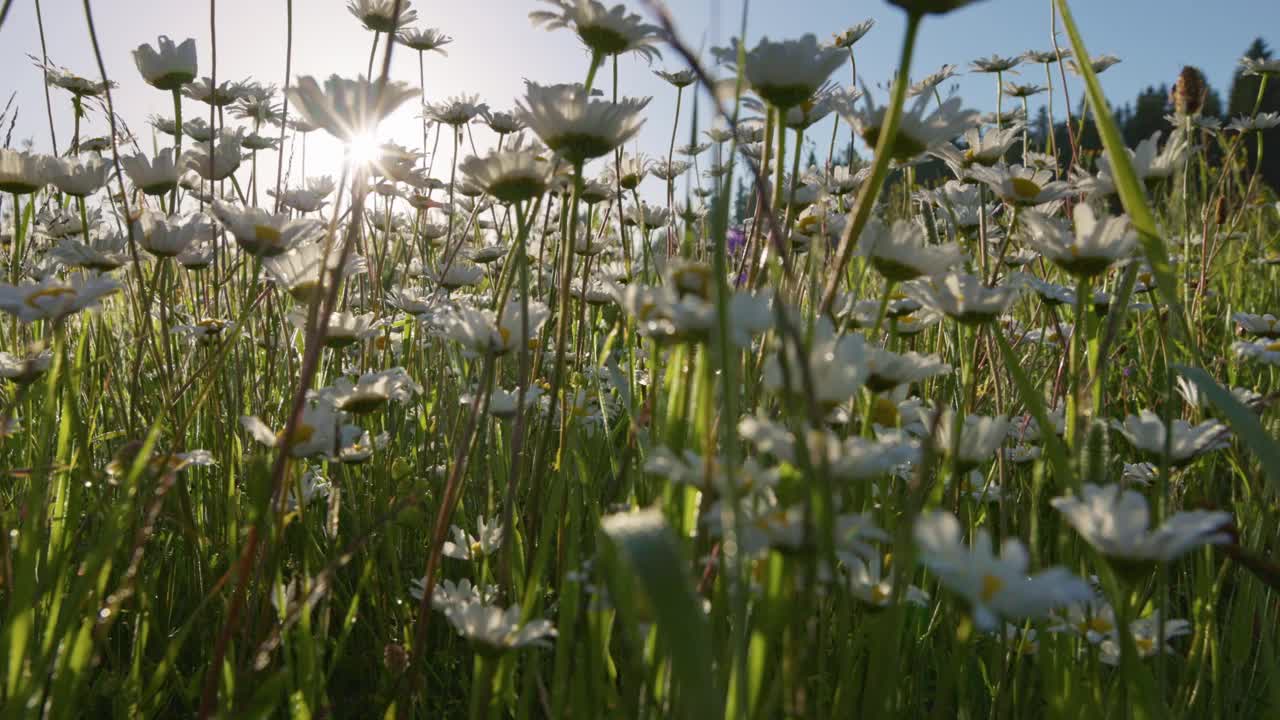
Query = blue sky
x=496 y=47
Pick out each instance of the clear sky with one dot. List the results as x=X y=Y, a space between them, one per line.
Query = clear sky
x=495 y=47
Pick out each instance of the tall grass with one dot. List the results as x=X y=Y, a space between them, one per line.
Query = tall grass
x=662 y=557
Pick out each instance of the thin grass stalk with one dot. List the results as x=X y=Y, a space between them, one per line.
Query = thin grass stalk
x=879 y=169
x=284 y=111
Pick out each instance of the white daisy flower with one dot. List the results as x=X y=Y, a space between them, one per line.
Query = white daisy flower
x=962 y=297
x=170 y=67
x=22 y=173
x=576 y=127
x=606 y=32
x=25 y=370
x=496 y=630
x=298 y=271
x=53 y=299
x=424 y=39
x=996 y=586
x=263 y=234
x=348 y=109
x=919 y=130
x=308 y=199
x=80 y=176
x=902 y=253
x=787 y=73
x=380 y=15
x=371 y=391
x=1146 y=637
x=172 y=236
x=315 y=434
x=1116 y=522
x=152 y=177
x=887 y=370
x=837 y=364
x=1090 y=249
x=850 y=36
x=465 y=546
x=510 y=176
x=1020 y=185
x=481 y=332
x=216 y=160
x=1147 y=433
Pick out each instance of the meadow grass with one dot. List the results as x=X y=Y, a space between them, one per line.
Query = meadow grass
x=491 y=437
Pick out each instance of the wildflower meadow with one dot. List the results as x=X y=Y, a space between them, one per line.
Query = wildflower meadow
x=851 y=396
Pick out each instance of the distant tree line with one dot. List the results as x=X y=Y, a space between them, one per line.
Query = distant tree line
x=1138 y=120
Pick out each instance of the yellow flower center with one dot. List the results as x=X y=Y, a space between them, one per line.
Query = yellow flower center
x=1024 y=188
x=990 y=586
x=301 y=434
x=884 y=412
x=695 y=279
x=33 y=300
x=305 y=290
x=1145 y=645
x=807 y=224
x=1099 y=624
x=769 y=522
x=267 y=233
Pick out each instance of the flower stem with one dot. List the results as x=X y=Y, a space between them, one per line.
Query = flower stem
x=15 y=260
x=373 y=49
x=1051 y=140
x=1026 y=130
x=562 y=319
x=1262 y=92
x=524 y=224
x=999 y=101
x=675 y=126
x=284 y=112
x=177 y=146
x=481 y=687
x=1084 y=294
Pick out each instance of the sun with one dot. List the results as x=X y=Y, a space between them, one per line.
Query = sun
x=363 y=150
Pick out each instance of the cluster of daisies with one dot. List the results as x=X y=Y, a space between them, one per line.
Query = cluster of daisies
x=574 y=282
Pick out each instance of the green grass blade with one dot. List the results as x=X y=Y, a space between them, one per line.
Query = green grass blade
x=1245 y=423
x=648 y=546
x=1034 y=401
x=1128 y=186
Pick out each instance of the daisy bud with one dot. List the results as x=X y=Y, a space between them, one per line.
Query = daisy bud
x=394 y=658
x=1189 y=92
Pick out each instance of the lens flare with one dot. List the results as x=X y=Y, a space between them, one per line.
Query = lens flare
x=363 y=150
